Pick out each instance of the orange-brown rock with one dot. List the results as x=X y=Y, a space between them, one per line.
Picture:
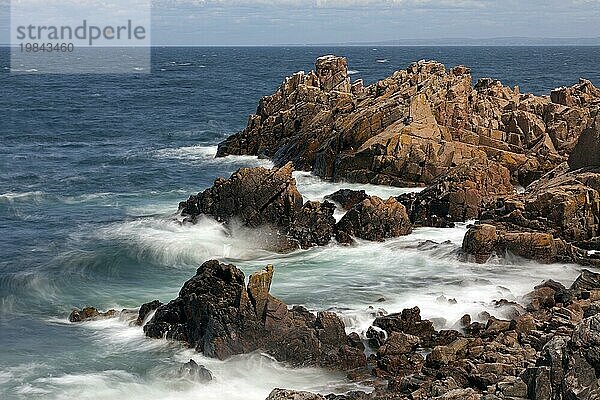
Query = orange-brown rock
x=413 y=126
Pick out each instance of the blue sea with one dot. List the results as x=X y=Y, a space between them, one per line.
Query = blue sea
x=92 y=168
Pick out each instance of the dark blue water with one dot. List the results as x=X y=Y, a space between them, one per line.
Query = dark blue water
x=92 y=168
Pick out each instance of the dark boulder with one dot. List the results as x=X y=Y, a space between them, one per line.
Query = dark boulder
x=408 y=321
x=221 y=317
x=459 y=194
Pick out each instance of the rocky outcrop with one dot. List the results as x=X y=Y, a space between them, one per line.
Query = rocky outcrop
x=218 y=315
x=557 y=218
x=375 y=220
x=254 y=196
x=458 y=195
x=269 y=199
x=413 y=126
x=266 y=199
x=198 y=373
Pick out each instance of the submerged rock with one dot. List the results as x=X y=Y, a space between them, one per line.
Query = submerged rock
x=218 y=315
x=199 y=373
x=91 y=314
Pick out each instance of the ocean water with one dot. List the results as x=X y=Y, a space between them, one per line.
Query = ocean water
x=92 y=169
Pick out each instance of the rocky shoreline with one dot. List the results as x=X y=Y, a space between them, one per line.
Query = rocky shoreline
x=470 y=147
x=547 y=350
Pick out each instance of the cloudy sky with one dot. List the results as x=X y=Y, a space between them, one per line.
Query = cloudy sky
x=271 y=22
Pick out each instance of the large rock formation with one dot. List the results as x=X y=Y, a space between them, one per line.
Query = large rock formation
x=218 y=315
x=413 y=126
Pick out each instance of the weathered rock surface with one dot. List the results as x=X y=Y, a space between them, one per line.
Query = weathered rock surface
x=413 y=126
x=375 y=220
x=459 y=194
x=556 y=219
x=268 y=199
x=254 y=196
x=218 y=315
x=263 y=198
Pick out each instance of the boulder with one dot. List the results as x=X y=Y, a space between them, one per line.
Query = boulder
x=218 y=315
x=409 y=322
x=480 y=242
x=146 y=309
x=313 y=224
x=254 y=196
x=375 y=220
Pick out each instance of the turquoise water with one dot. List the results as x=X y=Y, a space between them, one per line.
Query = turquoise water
x=93 y=167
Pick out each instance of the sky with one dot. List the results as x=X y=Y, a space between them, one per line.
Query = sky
x=274 y=22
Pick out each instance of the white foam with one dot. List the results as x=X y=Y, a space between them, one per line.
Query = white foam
x=315 y=189
x=206 y=155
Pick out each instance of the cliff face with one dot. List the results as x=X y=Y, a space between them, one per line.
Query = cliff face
x=413 y=126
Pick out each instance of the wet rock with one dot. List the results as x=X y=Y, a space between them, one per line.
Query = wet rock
x=90 y=314
x=375 y=220
x=255 y=196
x=347 y=198
x=218 y=315
x=199 y=373
x=146 y=309
x=483 y=240
x=399 y=343
x=480 y=242
x=313 y=224
x=588 y=280
x=281 y=394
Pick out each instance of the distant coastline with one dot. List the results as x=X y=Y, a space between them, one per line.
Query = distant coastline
x=436 y=42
